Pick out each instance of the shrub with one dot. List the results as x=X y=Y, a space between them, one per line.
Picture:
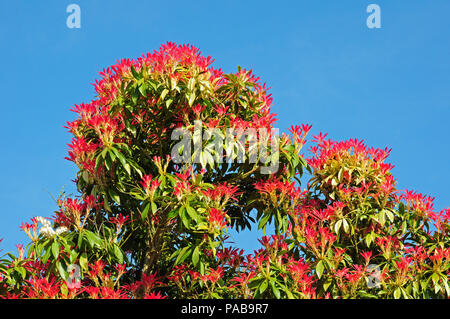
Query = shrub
x=152 y=217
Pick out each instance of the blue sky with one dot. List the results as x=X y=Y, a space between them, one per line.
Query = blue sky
x=388 y=86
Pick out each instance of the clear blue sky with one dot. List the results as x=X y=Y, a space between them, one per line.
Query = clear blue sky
x=389 y=86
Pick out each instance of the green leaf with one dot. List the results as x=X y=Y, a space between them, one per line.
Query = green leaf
x=263 y=287
x=172 y=214
x=153 y=84
x=47 y=254
x=346 y=226
x=397 y=293
x=275 y=290
x=183 y=255
x=163 y=94
x=123 y=161
x=289 y=293
x=154 y=208
x=22 y=271
x=108 y=163
x=143 y=89
x=136 y=75
x=191 y=99
x=84 y=262
x=112 y=154
x=135 y=96
x=80 y=240
x=73 y=255
x=144 y=213
x=319 y=268
x=437 y=288
x=61 y=270
x=404 y=227
x=382 y=217
x=404 y=293
x=192 y=213
x=435 y=278
x=263 y=221
x=337 y=226
x=254 y=283
x=115 y=197
x=183 y=217
x=390 y=215
x=447 y=288
x=85 y=176
x=55 y=249
x=327 y=283
x=93 y=239
x=195 y=256
x=368 y=239
x=118 y=254
x=202 y=268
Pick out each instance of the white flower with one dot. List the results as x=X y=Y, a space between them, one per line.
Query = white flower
x=43 y=221
x=47 y=231
x=61 y=230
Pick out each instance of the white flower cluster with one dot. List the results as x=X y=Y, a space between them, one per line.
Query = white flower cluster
x=47 y=229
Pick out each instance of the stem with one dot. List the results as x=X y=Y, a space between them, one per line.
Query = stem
x=154 y=244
